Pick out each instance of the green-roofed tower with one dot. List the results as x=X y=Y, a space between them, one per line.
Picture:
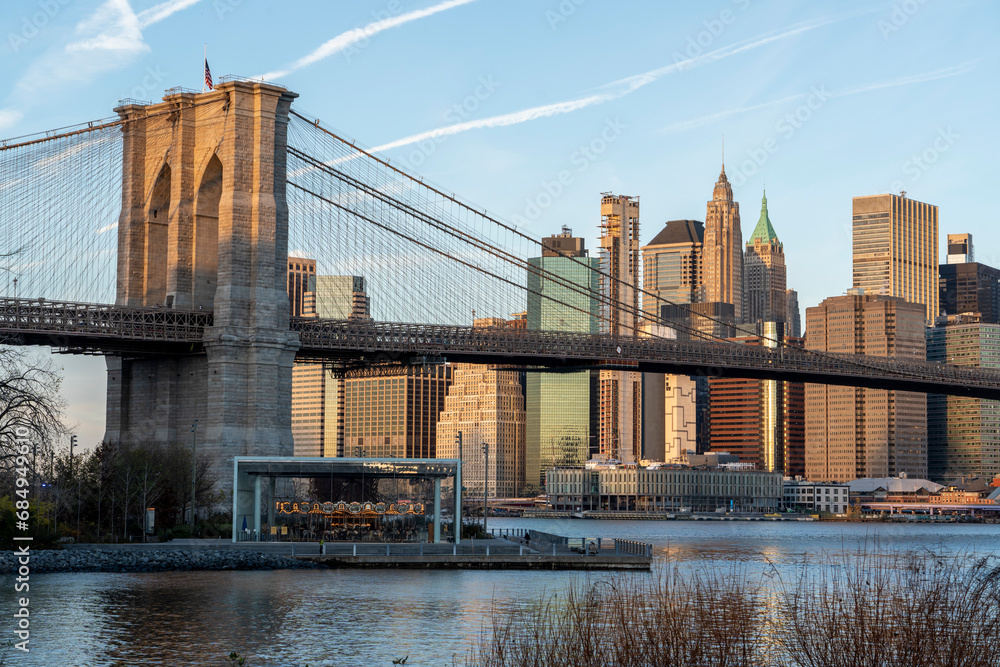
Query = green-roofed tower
x=764 y=278
x=764 y=229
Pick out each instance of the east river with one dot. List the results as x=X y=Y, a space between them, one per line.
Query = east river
x=366 y=618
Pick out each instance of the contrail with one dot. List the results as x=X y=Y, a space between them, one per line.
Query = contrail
x=351 y=37
x=942 y=73
x=619 y=88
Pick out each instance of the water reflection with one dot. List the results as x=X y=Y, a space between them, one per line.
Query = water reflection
x=356 y=617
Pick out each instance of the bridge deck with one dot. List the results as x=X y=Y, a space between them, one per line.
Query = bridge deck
x=98 y=329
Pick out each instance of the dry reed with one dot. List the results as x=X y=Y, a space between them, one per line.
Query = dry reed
x=863 y=609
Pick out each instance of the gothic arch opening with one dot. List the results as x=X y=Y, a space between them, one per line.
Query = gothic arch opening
x=206 y=235
x=157 y=219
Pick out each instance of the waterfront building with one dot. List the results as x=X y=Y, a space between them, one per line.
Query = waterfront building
x=722 y=252
x=794 y=322
x=963 y=433
x=663 y=489
x=620 y=393
x=485 y=406
x=895 y=249
x=854 y=432
x=760 y=421
x=804 y=496
x=560 y=408
x=671 y=267
x=395 y=416
x=764 y=278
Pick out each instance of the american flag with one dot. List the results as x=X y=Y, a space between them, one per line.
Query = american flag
x=208 y=76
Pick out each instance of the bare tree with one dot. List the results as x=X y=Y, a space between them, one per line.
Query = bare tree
x=29 y=399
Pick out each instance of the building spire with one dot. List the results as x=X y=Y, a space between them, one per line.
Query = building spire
x=764 y=230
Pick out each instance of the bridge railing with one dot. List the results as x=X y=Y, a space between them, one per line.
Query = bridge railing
x=101 y=320
x=427 y=339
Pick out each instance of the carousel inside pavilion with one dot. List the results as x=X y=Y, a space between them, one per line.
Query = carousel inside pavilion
x=345 y=499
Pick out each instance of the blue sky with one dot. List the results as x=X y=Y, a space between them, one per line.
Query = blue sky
x=494 y=99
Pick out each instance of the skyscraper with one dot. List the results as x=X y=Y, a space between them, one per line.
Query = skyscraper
x=722 y=253
x=395 y=416
x=301 y=281
x=760 y=421
x=672 y=267
x=764 y=280
x=966 y=286
x=318 y=394
x=620 y=435
x=963 y=433
x=896 y=249
x=487 y=407
x=854 y=432
x=794 y=322
x=671 y=274
x=960 y=249
x=561 y=421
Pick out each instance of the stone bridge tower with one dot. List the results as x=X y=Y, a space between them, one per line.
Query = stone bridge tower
x=204 y=226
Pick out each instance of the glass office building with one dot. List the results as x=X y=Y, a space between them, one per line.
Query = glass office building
x=560 y=420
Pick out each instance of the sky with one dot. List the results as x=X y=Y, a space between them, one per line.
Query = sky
x=497 y=99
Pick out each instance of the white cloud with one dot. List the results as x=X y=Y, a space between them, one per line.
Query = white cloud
x=113 y=27
x=351 y=37
x=9 y=118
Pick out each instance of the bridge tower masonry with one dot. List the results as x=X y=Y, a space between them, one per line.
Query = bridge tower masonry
x=204 y=226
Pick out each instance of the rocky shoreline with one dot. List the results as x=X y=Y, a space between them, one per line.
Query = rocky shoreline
x=146 y=560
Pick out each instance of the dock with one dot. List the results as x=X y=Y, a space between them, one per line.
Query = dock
x=504 y=550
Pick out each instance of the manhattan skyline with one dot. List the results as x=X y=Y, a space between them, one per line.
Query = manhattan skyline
x=497 y=101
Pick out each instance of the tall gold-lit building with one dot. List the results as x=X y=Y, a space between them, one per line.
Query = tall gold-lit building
x=620 y=432
x=487 y=407
x=722 y=252
x=764 y=277
x=395 y=416
x=896 y=249
x=760 y=421
x=855 y=432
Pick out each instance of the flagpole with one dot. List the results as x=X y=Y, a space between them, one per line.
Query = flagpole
x=204 y=63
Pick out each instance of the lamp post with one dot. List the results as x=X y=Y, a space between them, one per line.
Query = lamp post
x=72 y=444
x=458 y=482
x=194 y=469
x=486 y=483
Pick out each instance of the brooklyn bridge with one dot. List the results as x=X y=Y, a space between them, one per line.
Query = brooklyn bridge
x=160 y=238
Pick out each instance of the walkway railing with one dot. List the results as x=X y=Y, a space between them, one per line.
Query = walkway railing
x=102 y=327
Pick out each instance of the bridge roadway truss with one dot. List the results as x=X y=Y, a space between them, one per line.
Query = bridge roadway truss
x=107 y=329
